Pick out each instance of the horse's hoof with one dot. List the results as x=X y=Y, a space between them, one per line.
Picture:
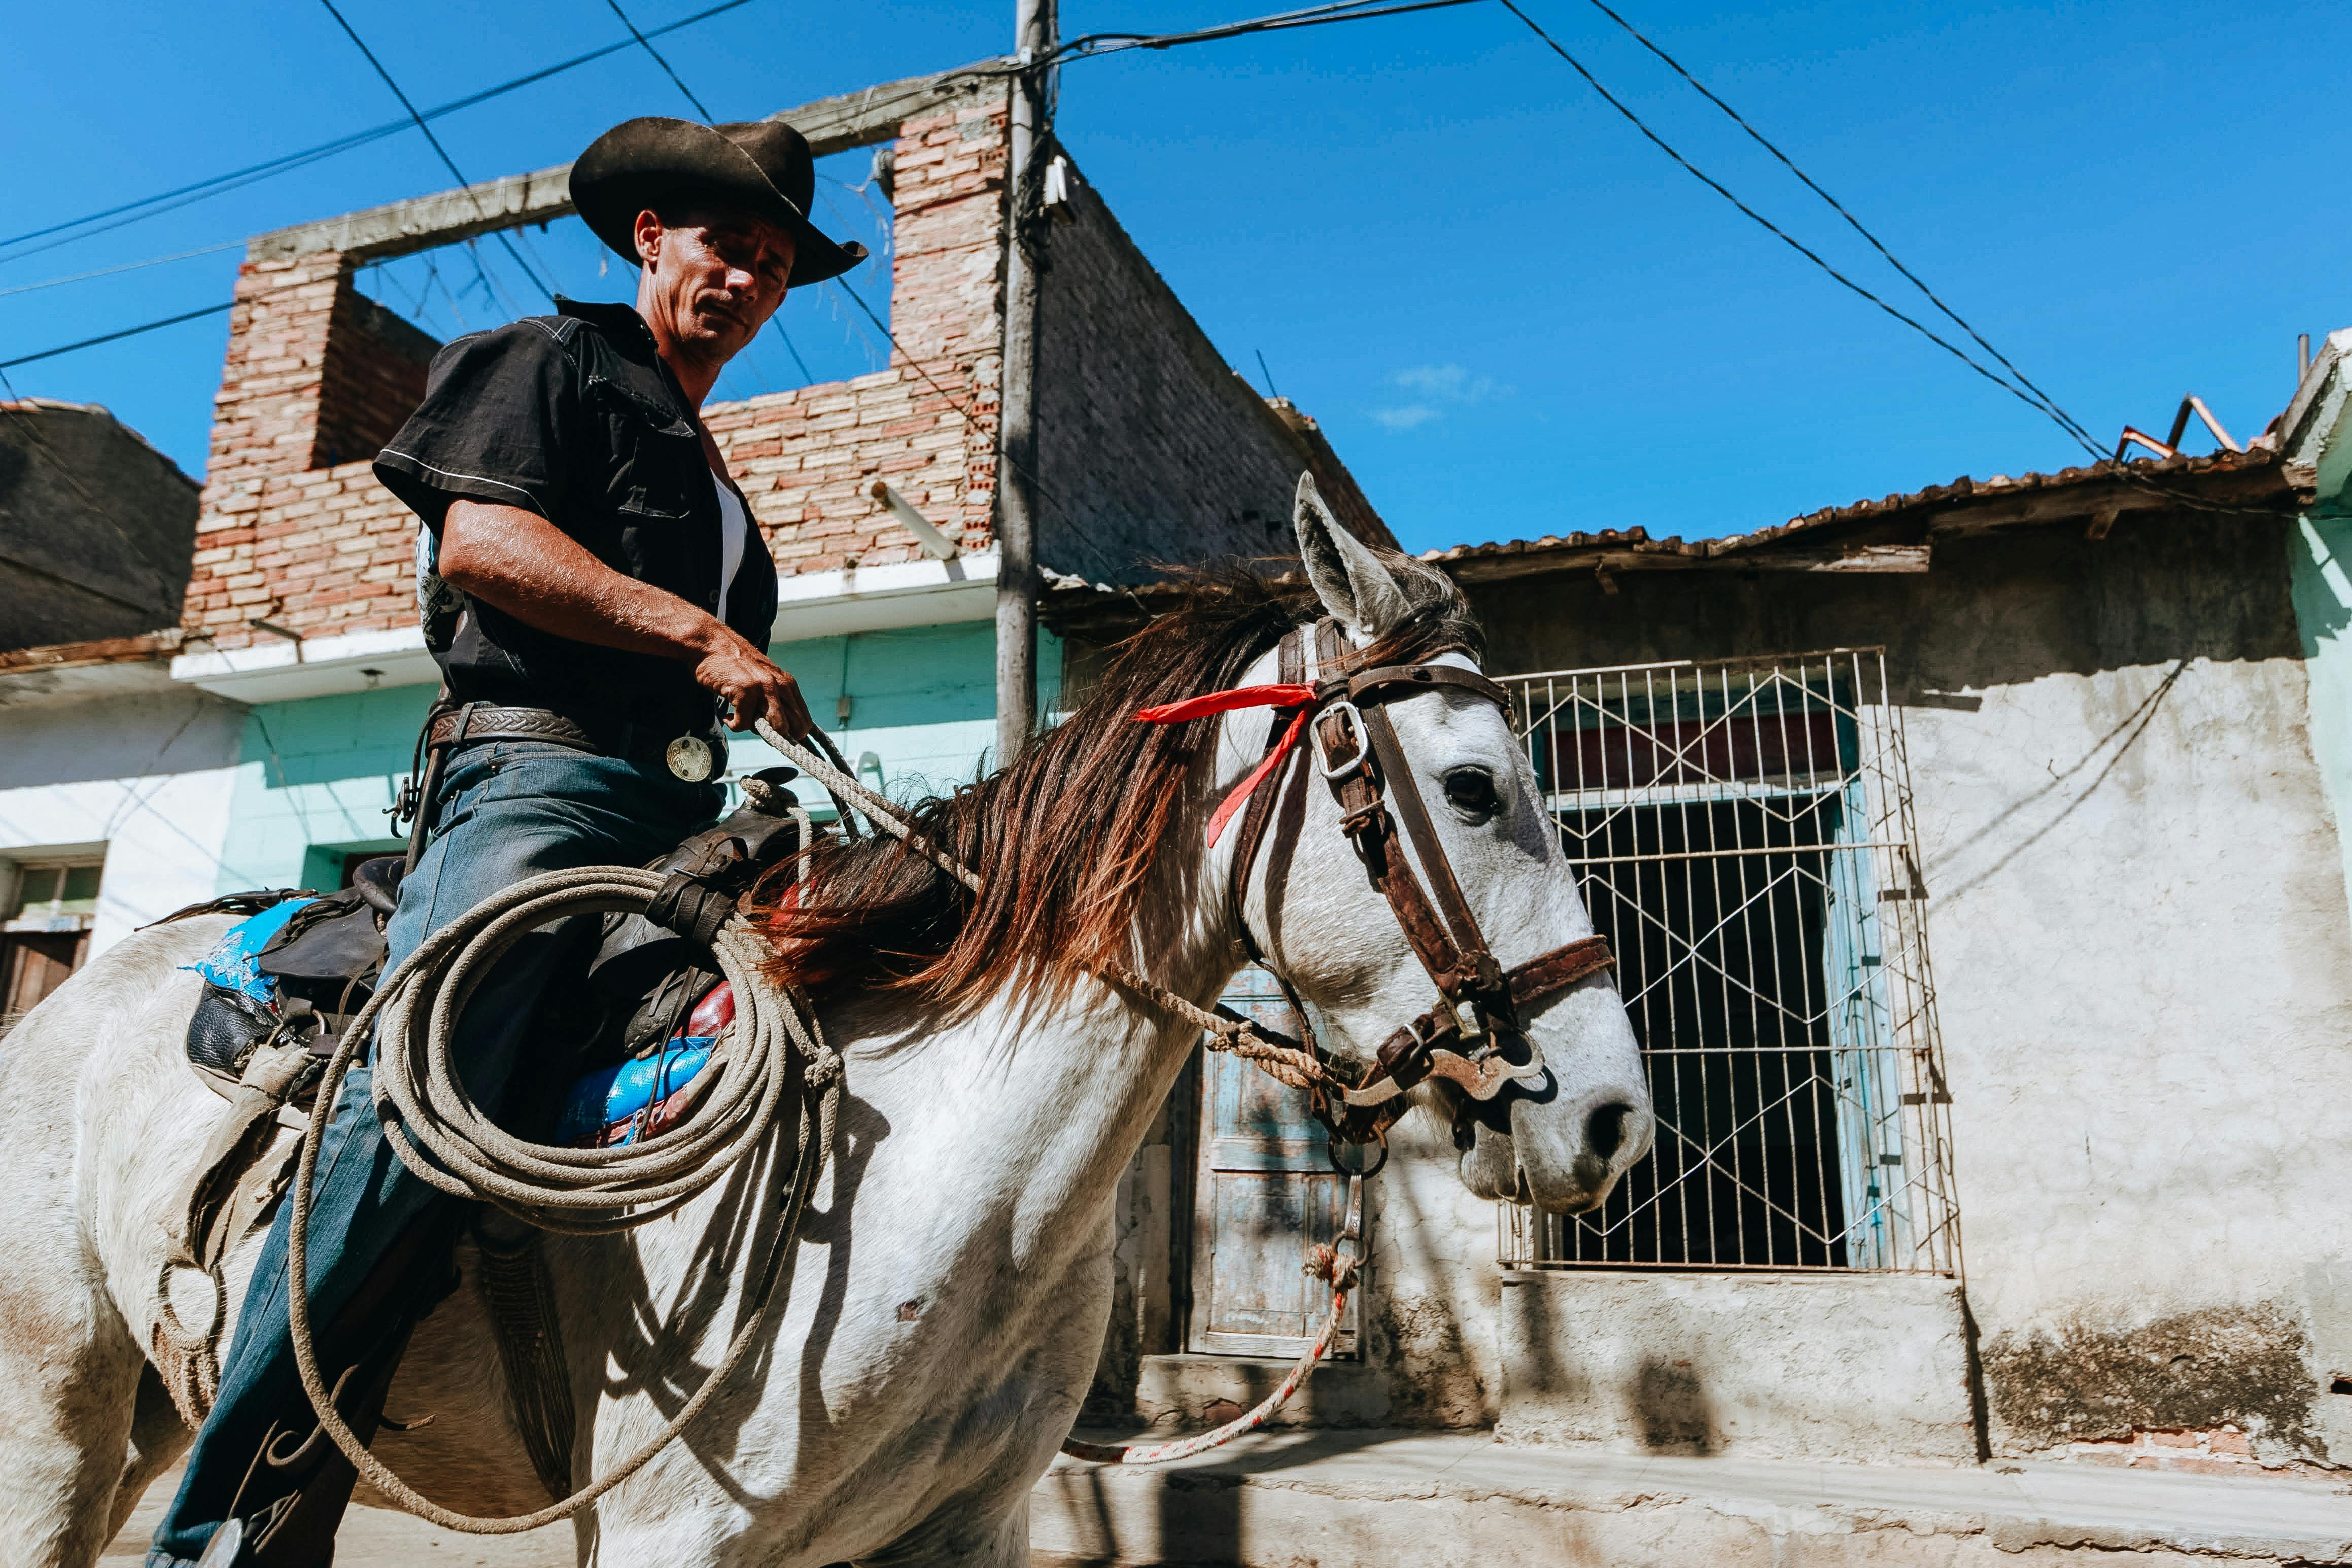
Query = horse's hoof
x=226 y=1547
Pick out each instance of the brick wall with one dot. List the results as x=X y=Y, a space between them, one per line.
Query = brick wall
x=808 y=459
x=295 y=531
x=1150 y=446
x=372 y=378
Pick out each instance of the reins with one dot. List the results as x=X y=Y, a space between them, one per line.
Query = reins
x=1355 y=748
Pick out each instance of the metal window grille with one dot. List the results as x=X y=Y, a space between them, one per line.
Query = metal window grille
x=1743 y=834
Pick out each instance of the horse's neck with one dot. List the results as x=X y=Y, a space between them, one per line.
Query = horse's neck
x=1059 y=1092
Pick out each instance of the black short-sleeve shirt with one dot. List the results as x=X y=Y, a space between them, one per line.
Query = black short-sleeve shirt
x=574 y=416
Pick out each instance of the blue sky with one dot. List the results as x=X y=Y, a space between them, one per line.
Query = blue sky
x=1513 y=316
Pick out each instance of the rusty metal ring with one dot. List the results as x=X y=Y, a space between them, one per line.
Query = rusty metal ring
x=1333 y=1147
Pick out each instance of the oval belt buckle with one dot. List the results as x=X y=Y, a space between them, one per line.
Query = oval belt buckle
x=689 y=758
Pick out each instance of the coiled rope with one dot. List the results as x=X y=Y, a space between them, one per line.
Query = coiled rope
x=773 y=1041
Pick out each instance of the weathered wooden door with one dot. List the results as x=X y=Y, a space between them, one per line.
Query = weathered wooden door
x=1265 y=1194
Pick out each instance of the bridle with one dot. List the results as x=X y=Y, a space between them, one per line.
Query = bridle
x=1354 y=747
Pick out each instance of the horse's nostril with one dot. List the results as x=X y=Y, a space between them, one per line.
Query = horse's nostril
x=1604 y=1131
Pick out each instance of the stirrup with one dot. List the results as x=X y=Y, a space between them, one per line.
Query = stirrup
x=226 y=1547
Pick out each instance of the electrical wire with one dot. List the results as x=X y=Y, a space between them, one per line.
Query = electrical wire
x=808 y=378
x=448 y=162
x=110 y=336
x=2065 y=421
x=2023 y=390
x=920 y=370
x=646 y=44
x=1770 y=227
x=123 y=266
x=183 y=195
x=1097 y=44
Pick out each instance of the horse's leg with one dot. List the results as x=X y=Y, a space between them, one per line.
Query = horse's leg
x=68 y=1382
x=158 y=1438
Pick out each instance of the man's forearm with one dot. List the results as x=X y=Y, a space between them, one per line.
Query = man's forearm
x=538 y=574
x=526 y=566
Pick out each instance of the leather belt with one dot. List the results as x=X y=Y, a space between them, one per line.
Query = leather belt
x=694 y=757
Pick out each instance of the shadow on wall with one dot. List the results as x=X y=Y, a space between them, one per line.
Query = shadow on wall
x=1670 y=1407
x=1666 y=1404
x=2056 y=800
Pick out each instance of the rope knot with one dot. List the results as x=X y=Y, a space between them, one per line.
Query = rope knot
x=1328 y=1262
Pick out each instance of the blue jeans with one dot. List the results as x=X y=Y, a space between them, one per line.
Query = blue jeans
x=509 y=810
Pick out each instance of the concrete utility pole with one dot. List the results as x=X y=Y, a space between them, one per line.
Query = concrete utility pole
x=1016 y=489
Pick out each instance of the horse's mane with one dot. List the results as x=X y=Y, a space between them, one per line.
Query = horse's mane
x=1066 y=837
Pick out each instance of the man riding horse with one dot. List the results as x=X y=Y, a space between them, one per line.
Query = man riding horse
x=599 y=601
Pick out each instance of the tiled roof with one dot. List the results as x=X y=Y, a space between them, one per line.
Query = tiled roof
x=2258 y=478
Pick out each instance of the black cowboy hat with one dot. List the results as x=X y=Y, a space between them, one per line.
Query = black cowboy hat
x=763 y=167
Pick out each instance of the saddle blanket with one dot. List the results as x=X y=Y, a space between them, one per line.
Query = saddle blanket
x=612 y=1105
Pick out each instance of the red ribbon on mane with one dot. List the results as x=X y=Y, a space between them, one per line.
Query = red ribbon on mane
x=1274 y=697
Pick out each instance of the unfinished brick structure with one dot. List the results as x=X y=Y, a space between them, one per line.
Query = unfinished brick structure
x=1150 y=450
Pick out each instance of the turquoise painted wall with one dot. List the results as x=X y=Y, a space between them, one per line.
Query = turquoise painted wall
x=314 y=777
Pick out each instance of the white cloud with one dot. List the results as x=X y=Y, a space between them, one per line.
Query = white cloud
x=1436 y=389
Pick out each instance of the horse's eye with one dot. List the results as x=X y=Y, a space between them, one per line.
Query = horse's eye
x=1471 y=791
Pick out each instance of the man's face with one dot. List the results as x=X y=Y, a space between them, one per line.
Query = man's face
x=713 y=276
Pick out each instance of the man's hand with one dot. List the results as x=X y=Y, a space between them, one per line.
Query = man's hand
x=751 y=683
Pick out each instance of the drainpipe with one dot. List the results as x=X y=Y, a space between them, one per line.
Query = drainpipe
x=1016 y=506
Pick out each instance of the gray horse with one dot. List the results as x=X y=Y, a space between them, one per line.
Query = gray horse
x=953 y=1281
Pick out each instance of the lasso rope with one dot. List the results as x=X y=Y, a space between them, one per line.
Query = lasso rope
x=422 y=1101
x=579 y=1191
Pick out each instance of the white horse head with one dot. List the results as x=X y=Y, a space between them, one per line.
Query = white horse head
x=1560 y=1140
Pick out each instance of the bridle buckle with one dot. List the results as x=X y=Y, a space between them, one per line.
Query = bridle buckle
x=1354 y=724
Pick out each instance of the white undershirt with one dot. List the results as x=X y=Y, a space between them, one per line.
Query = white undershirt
x=734 y=537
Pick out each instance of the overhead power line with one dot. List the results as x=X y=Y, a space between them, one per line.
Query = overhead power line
x=446 y=162
x=2023 y=389
x=124 y=266
x=166 y=201
x=1660 y=143
x=1094 y=44
x=2065 y=421
x=646 y=44
x=109 y=337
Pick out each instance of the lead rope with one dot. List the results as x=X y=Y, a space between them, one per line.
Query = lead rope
x=1325 y=1263
x=1296 y=1068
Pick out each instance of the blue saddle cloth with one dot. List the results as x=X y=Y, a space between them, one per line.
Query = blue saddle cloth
x=230 y=964
x=609 y=1106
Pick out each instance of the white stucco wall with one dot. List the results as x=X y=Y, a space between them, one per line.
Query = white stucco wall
x=149 y=774
x=2137 y=922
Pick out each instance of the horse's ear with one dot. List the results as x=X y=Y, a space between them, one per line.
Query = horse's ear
x=1355 y=587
